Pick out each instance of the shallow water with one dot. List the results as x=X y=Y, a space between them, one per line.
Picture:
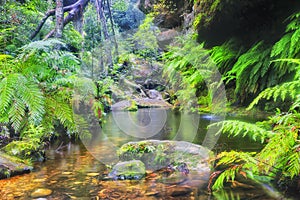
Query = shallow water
x=77 y=171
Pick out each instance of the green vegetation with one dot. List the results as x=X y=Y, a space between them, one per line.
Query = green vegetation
x=43 y=80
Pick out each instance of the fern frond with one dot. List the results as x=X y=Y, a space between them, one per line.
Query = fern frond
x=286 y=89
x=292 y=168
x=224 y=55
x=33 y=99
x=276 y=152
x=239 y=163
x=41 y=45
x=7 y=90
x=238 y=128
x=60 y=110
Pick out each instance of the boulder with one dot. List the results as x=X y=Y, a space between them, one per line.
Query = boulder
x=157 y=154
x=128 y=170
x=171 y=162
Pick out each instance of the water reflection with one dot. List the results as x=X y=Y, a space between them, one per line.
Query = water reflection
x=77 y=170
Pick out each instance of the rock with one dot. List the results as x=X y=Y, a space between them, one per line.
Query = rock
x=159 y=153
x=166 y=37
x=141 y=103
x=92 y=174
x=171 y=162
x=180 y=191
x=154 y=94
x=41 y=192
x=10 y=166
x=134 y=169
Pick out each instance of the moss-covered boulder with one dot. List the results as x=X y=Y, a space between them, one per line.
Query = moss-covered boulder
x=128 y=170
x=170 y=162
x=10 y=166
x=156 y=154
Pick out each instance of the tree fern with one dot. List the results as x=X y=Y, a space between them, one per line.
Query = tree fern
x=60 y=110
x=17 y=95
x=278 y=160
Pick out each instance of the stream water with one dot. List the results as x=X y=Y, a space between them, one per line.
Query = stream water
x=77 y=170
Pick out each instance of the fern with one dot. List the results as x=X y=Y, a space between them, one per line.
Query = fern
x=17 y=95
x=189 y=69
x=237 y=128
x=225 y=55
x=239 y=163
x=61 y=110
x=250 y=70
x=288 y=89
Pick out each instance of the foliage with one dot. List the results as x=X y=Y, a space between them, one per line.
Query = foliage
x=264 y=66
x=17 y=23
x=237 y=128
x=278 y=160
x=36 y=91
x=30 y=143
x=287 y=89
x=225 y=55
x=250 y=71
x=189 y=69
x=145 y=43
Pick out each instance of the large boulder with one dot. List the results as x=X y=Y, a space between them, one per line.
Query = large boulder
x=171 y=162
x=159 y=153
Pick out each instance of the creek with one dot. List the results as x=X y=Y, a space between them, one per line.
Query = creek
x=79 y=169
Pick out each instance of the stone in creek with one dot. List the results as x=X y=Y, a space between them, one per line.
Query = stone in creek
x=41 y=192
x=92 y=174
x=134 y=169
x=180 y=191
x=66 y=173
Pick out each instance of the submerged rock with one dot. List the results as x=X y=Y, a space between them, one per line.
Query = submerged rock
x=41 y=192
x=128 y=170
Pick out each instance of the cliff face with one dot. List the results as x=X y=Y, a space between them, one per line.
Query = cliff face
x=170 y=13
x=219 y=20
x=248 y=20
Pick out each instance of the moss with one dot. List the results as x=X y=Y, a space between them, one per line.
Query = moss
x=133 y=106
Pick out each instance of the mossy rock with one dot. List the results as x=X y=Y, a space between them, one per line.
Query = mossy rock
x=156 y=154
x=128 y=170
x=10 y=166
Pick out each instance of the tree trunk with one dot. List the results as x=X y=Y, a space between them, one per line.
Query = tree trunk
x=107 y=42
x=59 y=14
x=113 y=29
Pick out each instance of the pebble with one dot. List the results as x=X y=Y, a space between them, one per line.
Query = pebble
x=41 y=192
x=92 y=174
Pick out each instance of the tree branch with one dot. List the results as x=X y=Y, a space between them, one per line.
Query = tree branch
x=71 y=8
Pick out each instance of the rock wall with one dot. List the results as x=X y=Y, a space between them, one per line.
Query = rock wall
x=247 y=20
